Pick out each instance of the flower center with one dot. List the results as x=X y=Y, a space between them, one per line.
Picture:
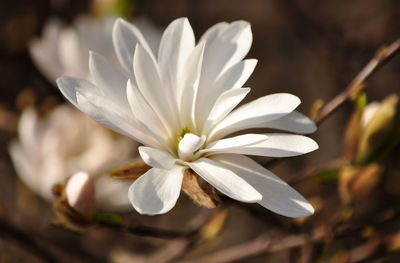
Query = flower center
x=188 y=146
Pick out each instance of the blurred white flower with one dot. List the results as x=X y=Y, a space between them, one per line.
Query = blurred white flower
x=65 y=50
x=66 y=141
x=180 y=104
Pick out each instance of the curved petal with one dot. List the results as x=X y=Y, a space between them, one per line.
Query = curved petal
x=176 y=45
x=225 y=47
x=293 y=122
x=69 y=86
x=125 y=38
x=261 y=110
x=239 y=141
x=44 y=51
x=146 y=115
x=223 y=106
x=277 y=195
x=72 y=58
x=157 y=191
x=108 y=78
x=152 y=89
x=214 y=31
x=156 y=158
x=278 y=145
x=188 y=145
x=225 y=180
x=187 y=87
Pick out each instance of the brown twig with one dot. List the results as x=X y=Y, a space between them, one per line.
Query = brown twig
x=27 y=241
x=382 y=56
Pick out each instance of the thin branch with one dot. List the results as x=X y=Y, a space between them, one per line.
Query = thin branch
x=9 y=231
x=382 y=56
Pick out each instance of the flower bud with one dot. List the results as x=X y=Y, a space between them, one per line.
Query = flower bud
x=80 y=193
x=381 y=133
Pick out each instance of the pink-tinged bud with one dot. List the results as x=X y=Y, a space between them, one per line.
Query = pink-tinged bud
x=80 y=192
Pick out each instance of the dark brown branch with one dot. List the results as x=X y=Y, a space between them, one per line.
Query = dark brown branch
x=381 y=57
x=9 y=231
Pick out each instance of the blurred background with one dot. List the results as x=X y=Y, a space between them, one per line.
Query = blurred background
x=309 y=48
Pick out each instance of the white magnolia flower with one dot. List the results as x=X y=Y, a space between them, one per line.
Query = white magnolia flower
x=180 y=104
x=65 y=50
x=50 y=150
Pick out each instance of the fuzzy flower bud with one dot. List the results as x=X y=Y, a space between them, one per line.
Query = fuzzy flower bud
x=80 y=192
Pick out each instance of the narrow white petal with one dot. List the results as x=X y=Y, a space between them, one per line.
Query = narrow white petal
x=293 y=122
x=223 y=106
x=108 y=78
x=69 y=86
x=107 y=114
x=250 y=115
x=44 y=51
x=155 y=93
x=73 y=60
x=125 y=38
x=225 y=47
x=214 y=31
x=277 y=195
x=233 y=78
x=146 y=115
x=187 y=87
x=278 y=145
x=176 y=45
x=225 y=180
x=156 y=158
x=157 y=191
x=234 y=143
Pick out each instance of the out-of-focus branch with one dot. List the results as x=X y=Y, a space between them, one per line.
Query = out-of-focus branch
x=263 y=244
x=382 y=56
x=11 y=232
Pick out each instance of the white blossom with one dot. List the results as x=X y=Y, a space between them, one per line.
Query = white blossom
x=181 y=104
x=51 y=149
x=64 y=50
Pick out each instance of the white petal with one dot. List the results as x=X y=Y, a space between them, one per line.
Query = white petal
x=125 y=38
x=278 y=145
x=277 y=195
x=73 y=59
x=232 y=78
x=223 y=106
x=188 y=145
x=69 y=86
x=224 y=48
x=108 y=78
x=155 y=93
x=176 y=45
x=187 y=87
x=146 y=115
x=157 y=191
x=102 y=110
x=225 y=180
x=235 y=76
x=293 y=122
x=44 y=51
x=250 y=115
x=234 y=143
x=156 y=158
x=214 y=31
